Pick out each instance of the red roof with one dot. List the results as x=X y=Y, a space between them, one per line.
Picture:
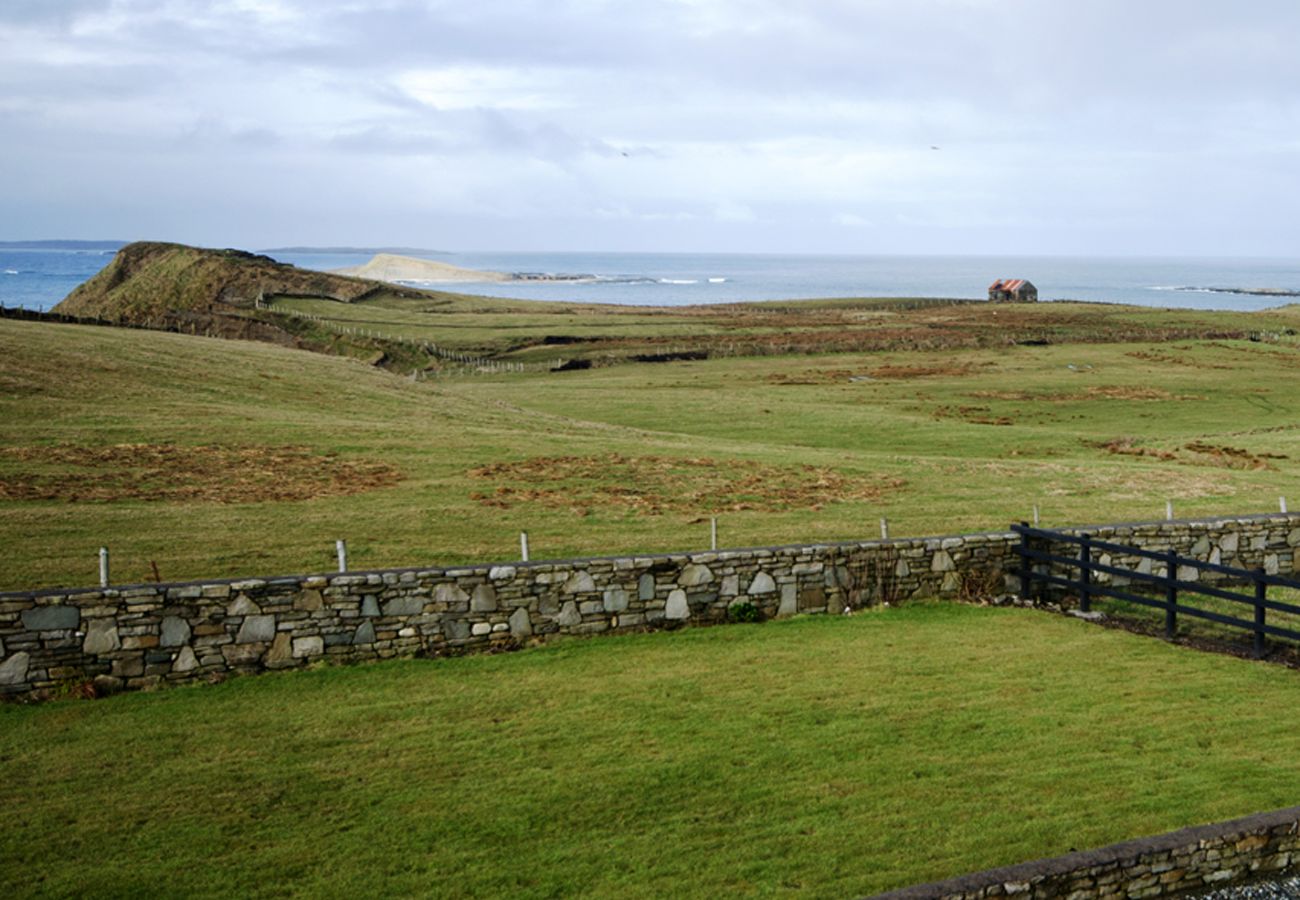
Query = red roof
x=1010 y=285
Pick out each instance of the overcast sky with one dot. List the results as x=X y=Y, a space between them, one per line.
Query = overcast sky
x=1061 y=126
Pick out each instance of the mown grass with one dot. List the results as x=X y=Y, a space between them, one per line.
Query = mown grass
x=826 y=757
x=957 y=440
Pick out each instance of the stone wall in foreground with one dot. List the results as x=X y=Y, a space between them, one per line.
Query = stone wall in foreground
x=1180 y=863
x=136 y=636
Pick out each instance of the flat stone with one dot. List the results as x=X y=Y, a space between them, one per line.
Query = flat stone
x=185 y=661
x=175 y=632
x=1228 y=543
x=730 y=585
x=1293 y=537
x=450 y=593
x=501 y=573
x=481 y=628
x=902 y=569
x=369 y=605
x=101 y=637
x=456 y=629
x=789 y=601
x=569 y=615
x=308 y=601
x=242 y=606
x=1201 y=546
x=677 y=607
x=51 y=618
x=579 y=583
x=615 y=600
x=281 y=649
x=404 y=606
x=312 y=645
x=484 y=599
x=256 y=628
x=941 y=562
x=521 y=623
x=1271 y=564
x=365 y=633
x=14 y=669
x=645 y=587
x=762 y=584
x=695 y=575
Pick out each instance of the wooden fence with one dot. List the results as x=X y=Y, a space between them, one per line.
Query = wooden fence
x=1041 y=560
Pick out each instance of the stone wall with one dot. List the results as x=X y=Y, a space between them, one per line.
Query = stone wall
x=137 y=636
x=1182 y=862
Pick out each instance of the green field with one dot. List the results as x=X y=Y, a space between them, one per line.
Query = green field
x=210 y=458
x=827 y=757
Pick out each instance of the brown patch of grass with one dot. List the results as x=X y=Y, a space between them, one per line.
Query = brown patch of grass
x=653 y=485
x=1100 y=392
x=173 y=473
x=1127 y=446
x=1232 y=457
x=973 y=415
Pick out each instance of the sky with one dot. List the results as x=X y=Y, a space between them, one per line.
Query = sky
x=1116 y=127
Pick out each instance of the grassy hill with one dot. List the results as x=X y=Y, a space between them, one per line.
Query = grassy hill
x=224 y=458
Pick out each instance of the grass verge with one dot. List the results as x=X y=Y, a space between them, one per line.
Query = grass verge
x=828 y=756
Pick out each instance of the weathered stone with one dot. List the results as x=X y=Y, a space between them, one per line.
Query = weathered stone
x=242 y=606
x=579 y=583
x=1271 y=564
x=730 y=585
x=615 y=600
x=789 y=601
x=456 y=629
x=521 y=624
x=1228 y=543
x=175 y=632
x=645 y=587
x=569 y=615
x=404 y=606
x=501 y=573
x=308 y=601
x=677 y=607
x=14 y=669
x=902 y=569
x=185 y=661
x=695 y=575
x=51 y=618
x=365 y=633
x=762 y=584
x=450 y=593
x=1293 y=537
x=1201 y=546
x=256 y=628
x=281 y=649
x=481 y=628
x=101 y=637
x=941 y=562
x=312 y=645
x=484 y=599
x=369 y=605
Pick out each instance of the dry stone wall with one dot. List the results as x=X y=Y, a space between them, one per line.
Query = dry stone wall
x=1181 y=863
x=138 y=636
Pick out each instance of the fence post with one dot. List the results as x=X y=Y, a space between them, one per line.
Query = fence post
x=103 y=567
x=713 y=533
x=1085 y=574
x=1024 y=563
x=523 y=546
x=342 y=548
x=1171 y=593
x=1260 y=589
x=884 y=529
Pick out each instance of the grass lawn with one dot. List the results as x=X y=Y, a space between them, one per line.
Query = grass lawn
x=825 y=757
x=219 y=458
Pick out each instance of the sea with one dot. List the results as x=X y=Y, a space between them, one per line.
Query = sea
x=40 y=278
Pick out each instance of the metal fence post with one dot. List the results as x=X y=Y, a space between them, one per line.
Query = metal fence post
x=1260 y=589
x=1085 y=574
x=1171 y=594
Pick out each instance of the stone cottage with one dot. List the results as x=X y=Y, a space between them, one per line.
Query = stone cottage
x=1012 y=290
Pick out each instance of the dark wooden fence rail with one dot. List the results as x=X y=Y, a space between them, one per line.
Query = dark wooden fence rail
x=1037 y=557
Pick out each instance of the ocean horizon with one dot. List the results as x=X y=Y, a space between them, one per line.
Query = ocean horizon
x=40 y=278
